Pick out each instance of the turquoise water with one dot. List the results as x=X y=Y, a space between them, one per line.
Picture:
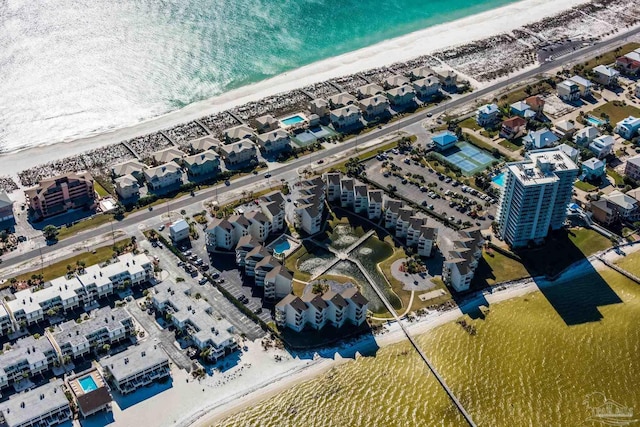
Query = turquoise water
x=88 y=384
x=499 y=180
x=282 y=247
x=74 y=67
x=292 y=120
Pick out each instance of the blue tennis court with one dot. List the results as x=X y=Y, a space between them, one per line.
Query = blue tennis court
x=470 y=159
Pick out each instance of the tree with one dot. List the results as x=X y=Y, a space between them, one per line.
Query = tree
x=50 y=232
x=119 y=211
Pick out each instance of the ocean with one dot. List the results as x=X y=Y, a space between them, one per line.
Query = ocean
x=75 y=68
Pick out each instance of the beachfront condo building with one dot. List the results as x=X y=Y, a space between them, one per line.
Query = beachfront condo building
x=203 y=144
x=239 y=153
x=346 y=117
x=136 y=367
x=59 y=194
x=427 y=87
x=401 y=96
x=536 y=193
x=238 y=133
x=167 y=155
x=46 y=405
x=318 y=310
x=461 y=256
x=374 y=107
x=265 y=123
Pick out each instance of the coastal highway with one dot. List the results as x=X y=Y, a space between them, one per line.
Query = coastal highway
x=289 y=169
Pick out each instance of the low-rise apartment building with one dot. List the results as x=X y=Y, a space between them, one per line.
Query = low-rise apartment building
x=136 y=367
x=239 y=153
x=59 y=194
x=46 y=405
x=27 y=357
x=632 y=168
x=208 y=331
x=318 y=310
x=204 y=164
x=274 y=141
x=105 y=326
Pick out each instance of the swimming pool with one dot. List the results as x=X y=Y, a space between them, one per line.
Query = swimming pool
x=88 y=384
x=594 y=121
x=499 y=180
x=282 y=247
x=292 y=120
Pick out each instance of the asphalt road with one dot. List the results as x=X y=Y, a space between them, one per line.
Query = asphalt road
x=323 y=154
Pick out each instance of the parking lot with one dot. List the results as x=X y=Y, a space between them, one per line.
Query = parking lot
x=172 y=270
x=436 y=194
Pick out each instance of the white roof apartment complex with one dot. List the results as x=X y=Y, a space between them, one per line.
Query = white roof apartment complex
x=81 y=290
x=536 y=193
x=210 y=332
x=136 y=367
x=46 y=405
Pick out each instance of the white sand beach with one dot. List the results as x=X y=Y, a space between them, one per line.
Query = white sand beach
x=403 y=48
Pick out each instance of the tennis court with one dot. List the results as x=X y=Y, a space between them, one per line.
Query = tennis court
x=468 y=158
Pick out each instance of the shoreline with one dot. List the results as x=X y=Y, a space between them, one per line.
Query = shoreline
x=394 y=335
x=393 y=51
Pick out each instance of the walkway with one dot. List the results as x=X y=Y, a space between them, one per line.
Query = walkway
x=415 y=345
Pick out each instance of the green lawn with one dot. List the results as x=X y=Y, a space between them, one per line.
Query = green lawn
x=509 y=145
x=100 y=189
x=561 y=250
x=478 y=142
x=470 y=123
x=495 y=268
x=616 y=111
x=616 y=176
x=93 y=222
x=585 y=186
x=588 y=241
x=60 y=268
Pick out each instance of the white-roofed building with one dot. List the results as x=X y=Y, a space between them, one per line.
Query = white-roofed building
x=585 y=135
x=602 y=146
x=628 y=128
x=535 y=196
x=346 y=116
x=136 y=367
x=632 y=168
x=208 y=331
x=167 y=155
x=26 y=358
x=541 y=138
x=105 y=326
x=127 y=187
x=131 y=167
x=46 y=405
x=204 y=164
x=179 y=230
x=427 y=86
x=592 y=169
x=375 y=106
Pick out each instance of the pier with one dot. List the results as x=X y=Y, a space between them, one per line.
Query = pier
x=415 y=345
